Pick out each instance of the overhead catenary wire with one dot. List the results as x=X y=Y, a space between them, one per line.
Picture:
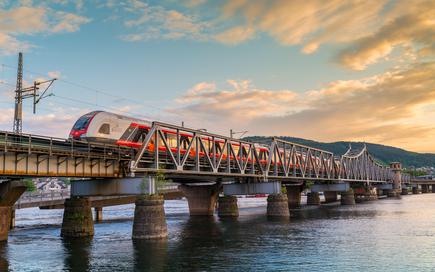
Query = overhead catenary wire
x=82 y=86
x=97 y=96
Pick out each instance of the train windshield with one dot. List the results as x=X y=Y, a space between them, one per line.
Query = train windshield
x=83 y=121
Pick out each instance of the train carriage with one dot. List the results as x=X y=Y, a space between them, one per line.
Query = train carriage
x=106 y=127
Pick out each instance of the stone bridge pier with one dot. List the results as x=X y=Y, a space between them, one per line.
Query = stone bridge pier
x=424 y=188
x=294 y=196
x=10 y=192
x=396 y=167
x=149 y=216
x=201 y=198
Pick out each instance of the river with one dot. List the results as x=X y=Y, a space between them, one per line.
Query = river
x=384 y=235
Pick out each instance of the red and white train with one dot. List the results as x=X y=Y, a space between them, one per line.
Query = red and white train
x=106 y=127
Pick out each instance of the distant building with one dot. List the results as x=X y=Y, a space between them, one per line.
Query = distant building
x=50 y=184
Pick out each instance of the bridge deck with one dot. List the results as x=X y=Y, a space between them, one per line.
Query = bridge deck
x=30 y=155
x=203 y=156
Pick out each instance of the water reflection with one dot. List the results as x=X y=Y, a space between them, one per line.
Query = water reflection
x=77 y=253
x=150 y=255
x=332 y=212
x=4 y=264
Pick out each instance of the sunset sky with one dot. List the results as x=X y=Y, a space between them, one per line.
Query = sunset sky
x=321 y=70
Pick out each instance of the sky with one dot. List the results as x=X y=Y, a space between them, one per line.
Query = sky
x=321 y=70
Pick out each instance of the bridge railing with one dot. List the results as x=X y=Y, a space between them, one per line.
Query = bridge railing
x=30 y=143
x=43 y=196
x=181 y=151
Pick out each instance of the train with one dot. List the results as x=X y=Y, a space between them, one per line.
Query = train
x=111 y=128
x=115 y=129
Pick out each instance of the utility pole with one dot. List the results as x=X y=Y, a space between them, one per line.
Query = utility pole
x=232 y=133
x=18 y=117
x=28 y=92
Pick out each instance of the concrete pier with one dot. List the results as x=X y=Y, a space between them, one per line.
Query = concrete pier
x=98 y=214
x=201 y=199
x=313 y=198
x=12 y=219
x=227 y=207
x=149 y=218
x=10 y=192
x=77 y=218
x=372 y=194
x=415 y=190
x=294 y=196
x=348 y=198
x=424 y=189
x=394 y=193
x=404 y=191
x=277 y=206
x=5 y=215
x=330 y=196
x=433 y=188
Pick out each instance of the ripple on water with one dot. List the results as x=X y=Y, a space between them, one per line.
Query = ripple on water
x=387 y=235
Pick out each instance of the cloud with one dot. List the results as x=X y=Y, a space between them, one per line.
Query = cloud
x=240 y=102
x=54 y=74
x=29 y=20
x=235 y=35
x=57 y=123
x=414 y=25
x=68 y=22
x=157 y=22
x=395 y=107
x=309 y=23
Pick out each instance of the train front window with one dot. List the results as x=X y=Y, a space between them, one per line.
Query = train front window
x=83 y=121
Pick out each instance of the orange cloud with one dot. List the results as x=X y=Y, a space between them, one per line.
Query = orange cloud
x=309 y=23
x=391 y=108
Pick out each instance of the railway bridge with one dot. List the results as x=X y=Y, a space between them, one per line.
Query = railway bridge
x=209 y=168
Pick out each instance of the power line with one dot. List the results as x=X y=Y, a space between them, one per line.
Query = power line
x=96 y=92
x=79 y=85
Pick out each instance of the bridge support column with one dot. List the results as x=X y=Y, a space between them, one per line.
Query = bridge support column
x=277 y=206
x=330 y=196
x=313 y=198
x=5 y=215
x=294 y=196
x=12 y=220
x=415 y=190
x=393 y=193
x=372 y=193
x=149 y=218
x=348 y=197
x=404 y=191
x=98 y=214
x=201 y=199
x=424 y=189
x=77 y=218
x=433 y=188
x=10 y=191
x=228 y=207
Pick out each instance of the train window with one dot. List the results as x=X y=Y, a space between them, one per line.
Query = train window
x=104 y=129
x=83 y=121
x=140 y=135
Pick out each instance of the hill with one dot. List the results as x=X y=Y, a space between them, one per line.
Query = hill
x=384 y=153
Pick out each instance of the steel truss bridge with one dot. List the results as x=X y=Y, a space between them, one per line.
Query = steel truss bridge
x=184 y=155
x=230 y=158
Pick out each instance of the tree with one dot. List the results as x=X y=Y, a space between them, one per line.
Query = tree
x=30 y=185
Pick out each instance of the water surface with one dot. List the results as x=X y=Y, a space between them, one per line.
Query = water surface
x=384 y=235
